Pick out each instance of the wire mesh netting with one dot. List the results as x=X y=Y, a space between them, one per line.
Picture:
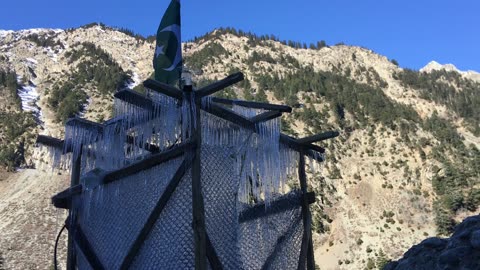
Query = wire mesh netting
x=252 y=219
x=111 y=216
x=170 y=245
x=271 y=239
x=244 y=236
x=220 y=187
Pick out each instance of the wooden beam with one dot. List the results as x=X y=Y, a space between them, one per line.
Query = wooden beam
x=212 y=256
x=198 y=215
x=220 y=85
x=154 y=215
x=229 y=115
x=64 y=199
x=319 y=137
x=253 y=104
x=263 y=117
x=50 y=141
x=148 y=162
x=59 y=144
x=82 y=242
x=310 y=254
x=277 y=206
x=308 y=149
x=74 y=180
x=86 y=124
x=135 y=98
x=146 y=146
x=306 y=215
x=163 y=89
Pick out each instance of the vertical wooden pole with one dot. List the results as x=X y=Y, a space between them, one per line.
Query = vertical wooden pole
x=197 y=198
x=306 y=251
x=72 y=216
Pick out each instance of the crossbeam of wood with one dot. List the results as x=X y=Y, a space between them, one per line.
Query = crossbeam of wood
x=263 y=117
x=152 y=148
x=63 y=199
x=59 y=144
x=253 y=104
x=154 y=215
x=134 y=98
x=278 y=206
x=319 y=137
x=307 y=148
x=86 y=124
x=163 y=89
x=208 y=90
x=148 y=162
x=86 y=248
x=231 y=116
x=212 y=256
x=50 y=141
x=220 y=85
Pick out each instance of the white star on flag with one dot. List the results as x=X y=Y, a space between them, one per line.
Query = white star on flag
x=159 y=50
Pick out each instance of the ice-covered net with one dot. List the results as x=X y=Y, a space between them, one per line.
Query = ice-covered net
x=112 y=215
x=253 y=220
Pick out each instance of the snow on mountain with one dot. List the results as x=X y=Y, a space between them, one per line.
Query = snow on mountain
x=434 y=65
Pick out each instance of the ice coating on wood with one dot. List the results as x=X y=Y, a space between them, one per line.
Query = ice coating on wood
x=58 y=161
x=247 y=112
x=263 y=164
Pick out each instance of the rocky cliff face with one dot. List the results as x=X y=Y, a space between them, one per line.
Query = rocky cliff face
x=460 y=251
x=381 y=190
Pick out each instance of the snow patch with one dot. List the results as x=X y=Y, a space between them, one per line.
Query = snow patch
x=52 y=54
x=26 y=32
x=31 y=61
x=469 y=74
x=99 y=28
x=134 y=81
x=39 y=31
x=29 y=96
x=82 y=113
x=4 y=33
x=434 y=65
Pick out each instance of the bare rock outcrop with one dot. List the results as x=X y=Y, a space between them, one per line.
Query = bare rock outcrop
x=460 y=251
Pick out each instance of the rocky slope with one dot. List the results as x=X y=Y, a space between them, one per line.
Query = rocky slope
x=378 y=193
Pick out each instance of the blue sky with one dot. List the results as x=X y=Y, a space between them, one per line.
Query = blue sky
x=413 y=32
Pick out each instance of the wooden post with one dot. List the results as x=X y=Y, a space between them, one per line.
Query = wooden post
x=306 y=255
x=198 y=208
x=74 y=180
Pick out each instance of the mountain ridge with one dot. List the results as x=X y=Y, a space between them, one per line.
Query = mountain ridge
x=434 y=65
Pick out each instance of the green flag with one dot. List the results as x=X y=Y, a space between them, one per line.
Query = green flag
x=167 y=61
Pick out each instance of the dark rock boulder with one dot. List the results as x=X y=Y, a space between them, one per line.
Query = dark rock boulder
x=460 y=251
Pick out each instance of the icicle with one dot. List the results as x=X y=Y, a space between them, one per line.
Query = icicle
x=159 y=125
x=245 y=111
x=316 y=163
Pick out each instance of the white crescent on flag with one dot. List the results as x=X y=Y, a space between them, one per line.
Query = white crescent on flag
x=175 y=29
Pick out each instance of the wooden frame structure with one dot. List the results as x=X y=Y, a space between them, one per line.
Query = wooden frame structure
x=190 y=149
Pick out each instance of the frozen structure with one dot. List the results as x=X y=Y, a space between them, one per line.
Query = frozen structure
x=179 y=179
